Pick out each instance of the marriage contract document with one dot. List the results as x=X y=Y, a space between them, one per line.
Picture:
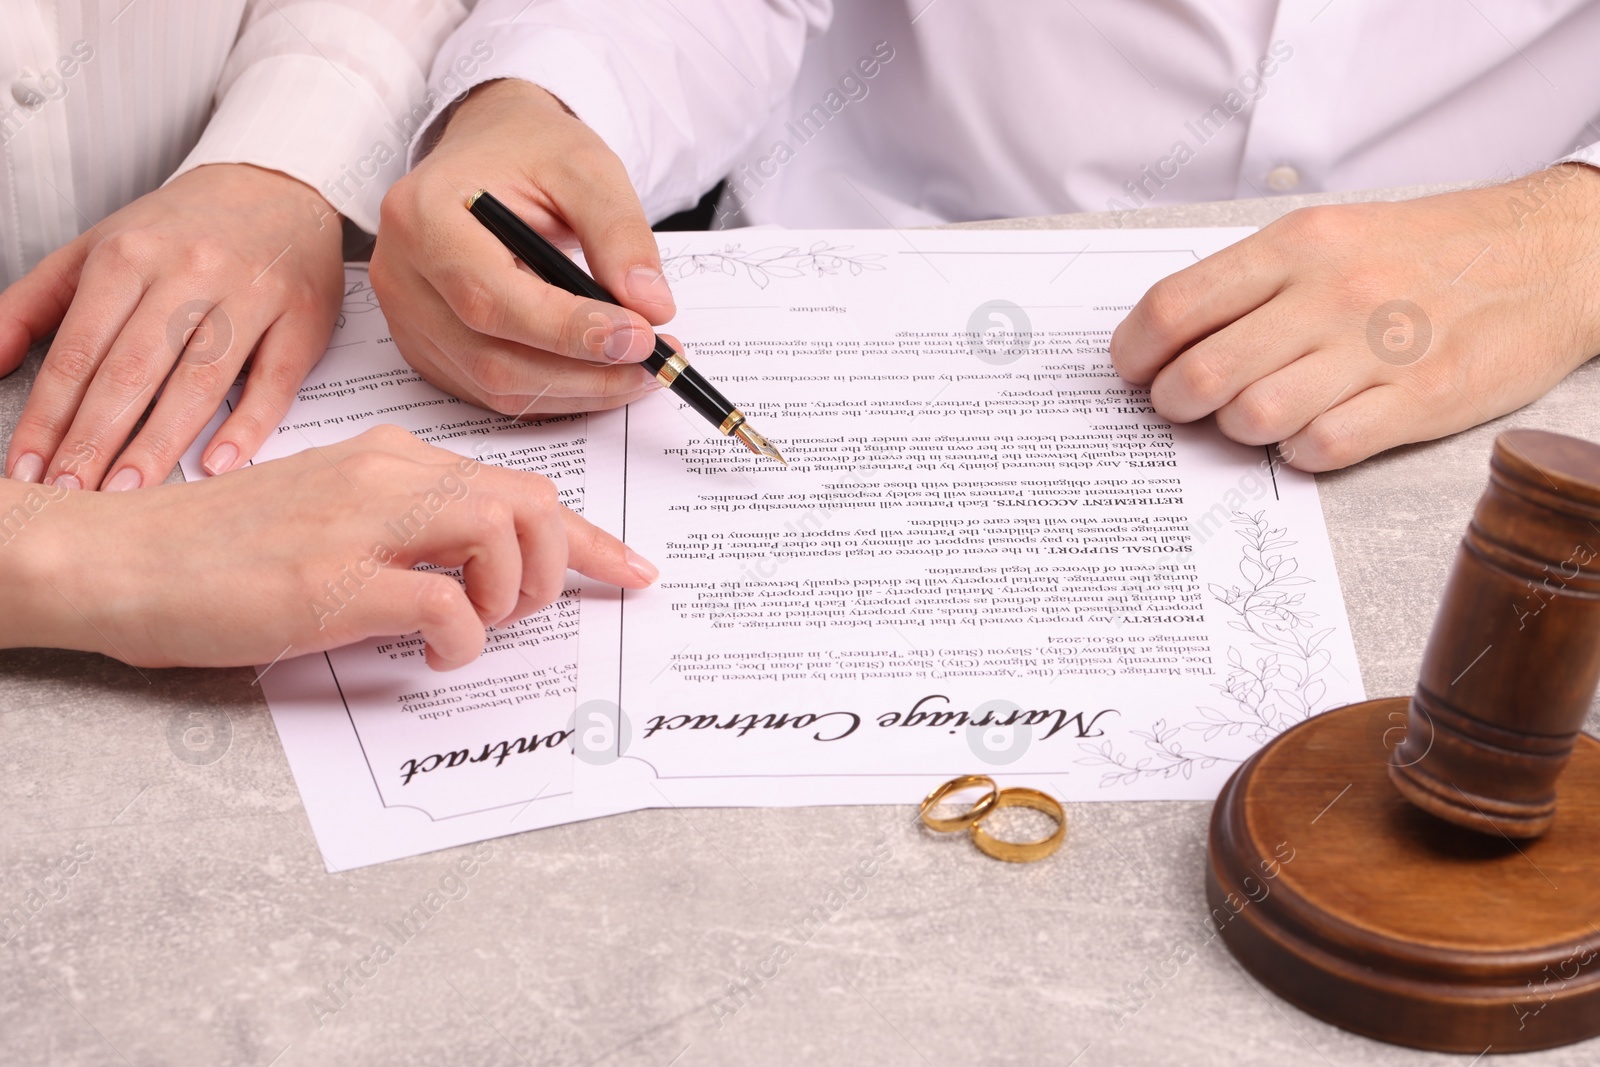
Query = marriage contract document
x=987 y=554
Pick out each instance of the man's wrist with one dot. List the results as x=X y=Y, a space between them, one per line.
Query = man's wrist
x=1568 y=191
x=518 y=91
x=488 y=100
x=1554 y=215
x=1579 y=213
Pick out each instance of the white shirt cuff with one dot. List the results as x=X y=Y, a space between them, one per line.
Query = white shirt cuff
x=1589 y=155
x=303 y=116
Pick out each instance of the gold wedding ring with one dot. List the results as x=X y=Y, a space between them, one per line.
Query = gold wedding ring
x=1021 y=851
x=968 y=819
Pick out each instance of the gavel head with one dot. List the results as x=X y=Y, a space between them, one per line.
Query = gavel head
x=1513 y=661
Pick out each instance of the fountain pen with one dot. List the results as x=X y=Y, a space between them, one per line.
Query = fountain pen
x=669 y=367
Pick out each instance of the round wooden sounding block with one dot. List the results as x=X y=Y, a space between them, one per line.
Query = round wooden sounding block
x=1426 y=870
x=1393 y=923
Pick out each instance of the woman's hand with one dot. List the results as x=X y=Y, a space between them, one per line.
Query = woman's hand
x=297 y=555
x=172 y=293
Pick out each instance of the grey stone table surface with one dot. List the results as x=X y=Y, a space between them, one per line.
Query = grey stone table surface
x=202 y=929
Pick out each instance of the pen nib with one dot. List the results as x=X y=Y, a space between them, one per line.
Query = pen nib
x=757 y=444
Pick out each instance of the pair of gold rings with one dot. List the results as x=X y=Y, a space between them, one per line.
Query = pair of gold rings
x=994 y=797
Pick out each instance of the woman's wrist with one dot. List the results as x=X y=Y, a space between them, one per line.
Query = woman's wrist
x=35 y=557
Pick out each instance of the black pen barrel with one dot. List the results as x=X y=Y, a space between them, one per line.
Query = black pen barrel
x=688 y=385
x=701 y=395
x=528 y=245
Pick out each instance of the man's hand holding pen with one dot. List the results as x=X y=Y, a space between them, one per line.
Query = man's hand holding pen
x=475 y=322
x=489 y=309
x=666 y=360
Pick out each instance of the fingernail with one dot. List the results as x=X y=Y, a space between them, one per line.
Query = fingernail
x=67 y=481
x=125 y=479
x=29 y=467
x=641 y=566
x=647 y=286
x=222 y=459
x=627 y=345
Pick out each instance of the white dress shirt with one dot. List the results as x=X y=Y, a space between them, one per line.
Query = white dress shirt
x=103 y=100
x=978 y=109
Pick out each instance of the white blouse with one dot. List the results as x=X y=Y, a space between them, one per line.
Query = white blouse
x=103 y=100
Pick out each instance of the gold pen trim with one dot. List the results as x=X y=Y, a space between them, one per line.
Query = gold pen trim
x=674 y=366
x=732 y=422
x=473 y=199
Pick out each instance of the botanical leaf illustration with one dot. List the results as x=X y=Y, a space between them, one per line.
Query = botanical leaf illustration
x=1265 y=693
x=762 y=265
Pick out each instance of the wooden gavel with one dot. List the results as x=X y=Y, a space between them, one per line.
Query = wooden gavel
x=1514 y=657
x=1481 y=931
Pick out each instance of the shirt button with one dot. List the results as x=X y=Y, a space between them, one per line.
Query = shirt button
x=24 y=93
x=1281 y=179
